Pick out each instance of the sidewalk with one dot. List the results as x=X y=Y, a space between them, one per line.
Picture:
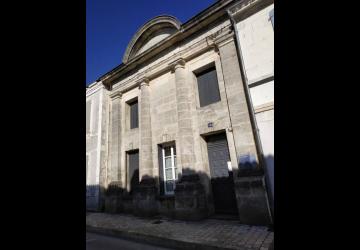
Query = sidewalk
x=206 y=234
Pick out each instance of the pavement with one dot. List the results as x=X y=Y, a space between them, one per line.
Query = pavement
x=102 y=242
x=174 y=234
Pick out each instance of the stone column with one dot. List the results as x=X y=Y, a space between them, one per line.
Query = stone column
x=115 y=138
x=185 y=127
x=145 y=149
x=190 y=197
x=144 y=198
x=248 y=177
x=114 y=186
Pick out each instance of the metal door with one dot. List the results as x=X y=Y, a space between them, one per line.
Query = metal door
x=221 y=178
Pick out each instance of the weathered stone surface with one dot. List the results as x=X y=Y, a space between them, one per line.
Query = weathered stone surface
x=190 y=198
x=146 y=162
x=114 y=193
x=169 y=112
x=144 y=198
x=251 y=201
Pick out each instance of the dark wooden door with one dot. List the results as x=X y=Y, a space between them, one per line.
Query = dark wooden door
x=221 y=178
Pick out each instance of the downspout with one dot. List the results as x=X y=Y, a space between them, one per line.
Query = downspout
x=252 y=116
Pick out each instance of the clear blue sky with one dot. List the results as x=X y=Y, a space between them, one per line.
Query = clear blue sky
x=110 y=25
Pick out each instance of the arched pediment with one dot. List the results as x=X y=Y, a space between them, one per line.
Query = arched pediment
x=151 y=33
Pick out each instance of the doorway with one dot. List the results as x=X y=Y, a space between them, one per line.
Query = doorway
x=221 y=175
x=133 y=170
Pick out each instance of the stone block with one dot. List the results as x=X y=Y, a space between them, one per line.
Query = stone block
x=251 y=201
x=144 y=198
x=190 y=198
x=113 y=196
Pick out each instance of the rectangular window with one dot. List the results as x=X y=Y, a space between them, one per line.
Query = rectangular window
x=134 y=116
x=208 y=87
x=169 y=173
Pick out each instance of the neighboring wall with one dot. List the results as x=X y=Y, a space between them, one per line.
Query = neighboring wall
x=96 y=133
x=256 y=40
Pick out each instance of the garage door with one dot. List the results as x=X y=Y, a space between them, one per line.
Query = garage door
x=221 y=178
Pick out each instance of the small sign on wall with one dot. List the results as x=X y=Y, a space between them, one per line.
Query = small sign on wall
x=210 y=125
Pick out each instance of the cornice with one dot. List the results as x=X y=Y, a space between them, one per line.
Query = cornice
x=93 y=88
x=186 y=54
x=215 y=12
x=116 y=95
x=242 y=9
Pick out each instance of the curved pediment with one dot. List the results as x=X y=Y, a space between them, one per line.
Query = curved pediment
x=151 y=33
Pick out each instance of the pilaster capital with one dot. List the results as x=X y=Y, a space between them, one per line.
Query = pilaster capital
x=224 y=38
x=116 y=95
x=144 y=81
x=179 y=63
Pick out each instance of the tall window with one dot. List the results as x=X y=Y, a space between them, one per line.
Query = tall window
x=208 y=87
x=169 y=170
x=134 y=117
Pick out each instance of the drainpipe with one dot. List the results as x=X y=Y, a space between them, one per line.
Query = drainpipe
x=252 y=115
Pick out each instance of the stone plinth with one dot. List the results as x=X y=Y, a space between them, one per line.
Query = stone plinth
x=144 y=198
x=251 y=201
x=113 y=196
x=190 y=199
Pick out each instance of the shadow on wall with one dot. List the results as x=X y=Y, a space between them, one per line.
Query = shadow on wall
x=269 y=161
x=196 y=196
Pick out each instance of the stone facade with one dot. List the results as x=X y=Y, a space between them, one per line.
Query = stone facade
x=96 y=145
x=162 y=77
x=254 y=27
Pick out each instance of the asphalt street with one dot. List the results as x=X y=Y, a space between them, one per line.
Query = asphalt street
x=102 y=242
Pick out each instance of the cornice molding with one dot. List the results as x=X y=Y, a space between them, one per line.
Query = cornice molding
x=93 y=88
x=116 y=95
x=224 y=37
x=215 y=12
x=167 y=64
x=243 y=9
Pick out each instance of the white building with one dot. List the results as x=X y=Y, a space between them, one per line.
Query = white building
x=96 y=143
x=254 y=29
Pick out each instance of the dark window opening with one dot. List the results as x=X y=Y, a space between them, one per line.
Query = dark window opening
x=134 y=114
x=208 y=87
x=133 y=170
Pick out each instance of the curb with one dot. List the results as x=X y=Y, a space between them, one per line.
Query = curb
x=155 y=240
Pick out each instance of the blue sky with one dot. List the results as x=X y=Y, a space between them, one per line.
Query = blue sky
x=110 y=25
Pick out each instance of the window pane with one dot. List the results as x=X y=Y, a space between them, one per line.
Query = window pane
x=167 y=151
x=174 y=161
x=169 y=175
x=168 y=162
